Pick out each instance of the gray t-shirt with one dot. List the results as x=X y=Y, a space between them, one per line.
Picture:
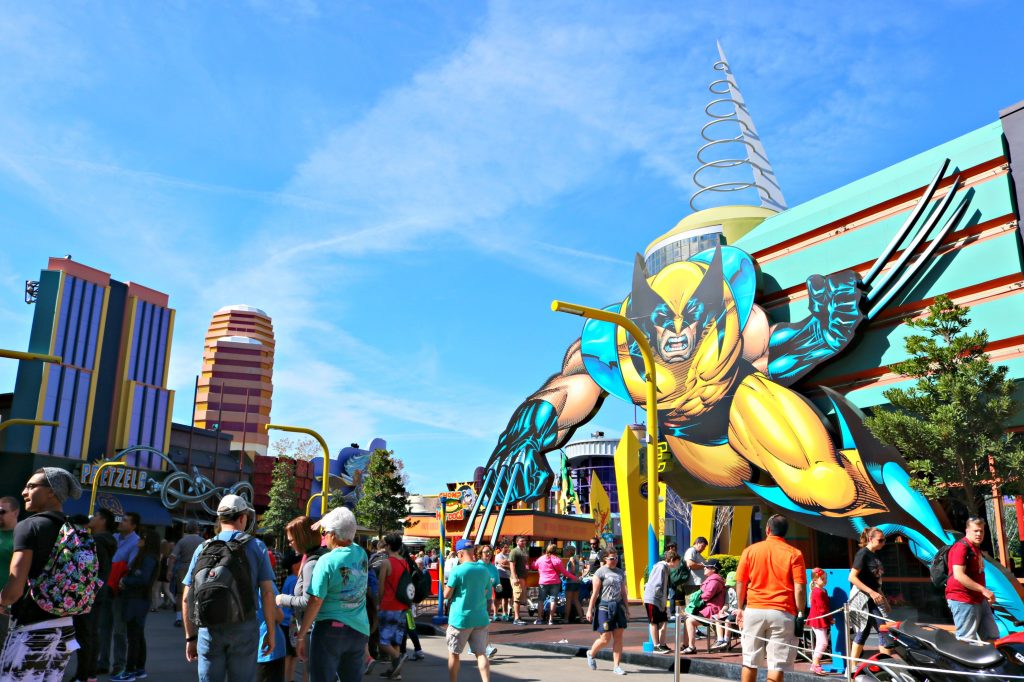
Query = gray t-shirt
x=656 y=590
x=696 y=574
x=183 y=551
x=612 y=582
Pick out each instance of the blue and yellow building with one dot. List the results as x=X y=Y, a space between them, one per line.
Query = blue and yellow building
x=109 y=392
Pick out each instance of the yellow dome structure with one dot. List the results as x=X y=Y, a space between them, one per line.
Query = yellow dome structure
x=703 y=230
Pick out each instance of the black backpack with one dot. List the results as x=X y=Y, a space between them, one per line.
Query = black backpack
x=939 y=568
x=423 y=583
x=221 y=591
x=405 y=591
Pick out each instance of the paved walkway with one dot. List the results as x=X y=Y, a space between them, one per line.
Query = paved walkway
x=516 y=663
x=166 y=653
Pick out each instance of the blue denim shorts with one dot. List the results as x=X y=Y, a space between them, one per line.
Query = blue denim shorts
x=973 y=621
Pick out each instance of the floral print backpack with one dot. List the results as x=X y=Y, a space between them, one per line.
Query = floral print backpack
x=69 y=581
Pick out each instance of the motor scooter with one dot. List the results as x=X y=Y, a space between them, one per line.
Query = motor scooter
x=921 y=653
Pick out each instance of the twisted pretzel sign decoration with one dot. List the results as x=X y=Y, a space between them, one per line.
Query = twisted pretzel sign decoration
x=179 y=488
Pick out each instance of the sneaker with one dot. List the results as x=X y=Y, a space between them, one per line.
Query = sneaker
x=591 y=663
x=416 y=655
x=370 y=663
x=538 y=622
x=817 y=670
x=619 y=671
x=140 y=674
x=719 y=645
x=123 y=677
x=662 y=649
x=491 y=650
x=518 y=622
x=396 y=668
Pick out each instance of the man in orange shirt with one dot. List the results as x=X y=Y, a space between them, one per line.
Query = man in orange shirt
x=771 y=583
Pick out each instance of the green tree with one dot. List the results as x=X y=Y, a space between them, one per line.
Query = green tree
x=284 y=499
x=952 y=424
x=383 y=503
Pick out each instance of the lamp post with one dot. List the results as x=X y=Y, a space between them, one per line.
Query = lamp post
x=652 y=410
x=325 y=456
x=20 y=355
x=96 y=479
x=26 y=422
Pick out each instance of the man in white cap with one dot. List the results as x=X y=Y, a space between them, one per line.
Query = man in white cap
x=39 y=644
x=223 y=637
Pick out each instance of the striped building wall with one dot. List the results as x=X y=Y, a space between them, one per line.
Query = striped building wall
x=236 y=383
x=114 y=340
x=979 y=264
x=144 y=403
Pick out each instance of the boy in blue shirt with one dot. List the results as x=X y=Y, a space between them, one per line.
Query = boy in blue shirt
x=467 y=586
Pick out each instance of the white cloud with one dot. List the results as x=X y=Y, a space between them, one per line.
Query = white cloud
x=540 y=103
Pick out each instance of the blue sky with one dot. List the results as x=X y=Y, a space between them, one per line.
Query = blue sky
x=404 y=186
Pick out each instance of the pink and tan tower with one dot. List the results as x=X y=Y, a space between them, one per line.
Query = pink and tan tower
x=235 y=386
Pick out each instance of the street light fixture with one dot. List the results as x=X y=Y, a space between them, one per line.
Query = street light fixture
x=96 y=479
x=652 y=409
x=325 y=456
x=20 y=355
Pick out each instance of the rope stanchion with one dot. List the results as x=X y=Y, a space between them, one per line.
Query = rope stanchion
x=846 y=629
x=678 y=657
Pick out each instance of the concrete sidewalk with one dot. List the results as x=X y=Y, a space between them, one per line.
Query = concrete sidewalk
x=166 y=662
x=517 y=663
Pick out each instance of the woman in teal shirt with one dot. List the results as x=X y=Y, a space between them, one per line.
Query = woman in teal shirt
x=336 y=613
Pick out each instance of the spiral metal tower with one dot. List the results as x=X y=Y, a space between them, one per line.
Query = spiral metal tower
x=721 y=151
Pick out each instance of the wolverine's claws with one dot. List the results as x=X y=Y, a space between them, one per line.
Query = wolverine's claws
x=883 y=289
x=918 y=238
x=929 y=250
x=906 y=228
x=517 y=468
x=476 y=505
x=495 y=485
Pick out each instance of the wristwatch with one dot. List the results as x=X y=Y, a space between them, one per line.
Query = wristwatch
x=191 y=639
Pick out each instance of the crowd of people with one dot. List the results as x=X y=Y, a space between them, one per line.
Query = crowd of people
x=249 y=613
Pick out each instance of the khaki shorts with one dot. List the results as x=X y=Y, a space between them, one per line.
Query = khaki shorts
x=457 y=639
x=518 y=592
x=775 y=626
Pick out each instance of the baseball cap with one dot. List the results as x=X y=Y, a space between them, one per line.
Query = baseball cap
x=463 y=544
x=730 y=580
x=233 y=504
x=712 y=563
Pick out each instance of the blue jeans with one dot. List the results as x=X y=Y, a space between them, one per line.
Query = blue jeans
x=973 y=621
x=228 y=652
x=336 y=652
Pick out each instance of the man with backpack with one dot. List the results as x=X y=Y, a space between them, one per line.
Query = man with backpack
x=52 y=578
x=395 y=599
x=968 y=598
x=227 y=575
